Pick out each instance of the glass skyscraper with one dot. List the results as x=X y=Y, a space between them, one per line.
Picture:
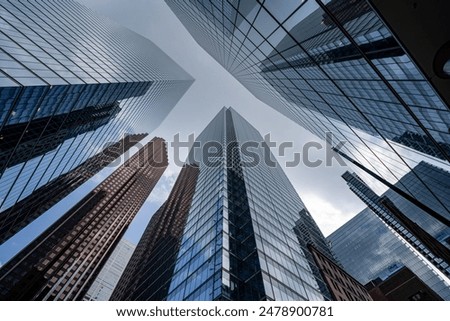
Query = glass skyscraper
x=31 y=207
x=396 y=233
x=64 y=260
x=72 y=82
x=331 y=66
x=407 y=228
x=368 y=250
x=240 y=240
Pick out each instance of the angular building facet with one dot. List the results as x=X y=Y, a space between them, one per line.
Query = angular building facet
x=409 y=229
x=71 y=82
x=331 y=66
x=31 y=207
x=104 y=284
x=64 y=260
x=393 y=232
x=368 y=249
x=238 y=241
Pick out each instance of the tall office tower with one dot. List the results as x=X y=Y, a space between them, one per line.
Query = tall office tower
x=71 y=82
x=31 y=207
x=369 y=250
x=64 y=260
x=410 y=231
x=103 y=286
x=332 y=66
x=395 y=232
x=238 y=242
x=148 y=274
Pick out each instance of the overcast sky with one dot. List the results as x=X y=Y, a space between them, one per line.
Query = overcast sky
x=322 y=189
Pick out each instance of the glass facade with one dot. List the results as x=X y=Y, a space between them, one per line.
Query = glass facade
x=31 y=207
x=63 y=262
x=368 y=248
x=331 y=66
x=412 y=230
x=71 y=82
x=239 y=241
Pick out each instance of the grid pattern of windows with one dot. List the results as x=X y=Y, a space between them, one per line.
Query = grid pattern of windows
x=71 y=82
x=64 y=260
x=329 y=65
x=342 y=286
x=367 y=245
x=367 y=248
x=411 y=230
x=239 y=241
x=29 y=208
x=149 y=272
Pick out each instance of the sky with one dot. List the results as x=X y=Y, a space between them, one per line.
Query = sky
x=322 y=189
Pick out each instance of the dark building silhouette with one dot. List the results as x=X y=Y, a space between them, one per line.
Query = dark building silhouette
x=402 y=285
x=63 y=261
x=31 y=207
x=309 y=236
x=422 y=144
x=150 y=269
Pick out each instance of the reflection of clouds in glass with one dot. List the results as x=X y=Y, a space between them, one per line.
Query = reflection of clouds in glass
x=367 y=248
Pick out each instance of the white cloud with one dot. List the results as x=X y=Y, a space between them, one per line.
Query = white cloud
x=164 y=186
x=327 y=216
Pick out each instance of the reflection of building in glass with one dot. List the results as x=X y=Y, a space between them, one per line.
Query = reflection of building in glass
x=104 y=284
x=31 y=207
x=406 y=228
x=238 y=240
x=65 y=259
x=366 y=247
x=331 y=66
x=421 y=143
x=71 y=81
x=24 y=141
x=393 y=231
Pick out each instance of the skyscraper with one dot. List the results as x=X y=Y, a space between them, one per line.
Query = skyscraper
x=368 y=250
x=408 y=229
x=31 y=207
x=63 y=261
x=103 y=286
x=395 y=232
x=70 y=83
x=148 y=274
x=238 y=241
x=331 y=66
